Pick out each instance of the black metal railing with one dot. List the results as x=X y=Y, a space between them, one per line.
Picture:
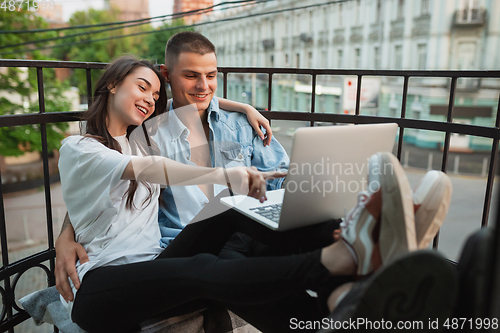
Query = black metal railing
x=9 y=319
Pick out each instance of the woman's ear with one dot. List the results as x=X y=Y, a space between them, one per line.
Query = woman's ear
x=164 y=72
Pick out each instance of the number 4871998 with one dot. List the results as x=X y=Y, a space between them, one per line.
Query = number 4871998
x=471 y=324
x=30 y=5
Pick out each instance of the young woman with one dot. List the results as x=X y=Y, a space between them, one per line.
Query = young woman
x=111 y=197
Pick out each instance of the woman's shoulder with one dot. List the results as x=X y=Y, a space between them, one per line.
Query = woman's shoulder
x=75 y=139
x=81 y=143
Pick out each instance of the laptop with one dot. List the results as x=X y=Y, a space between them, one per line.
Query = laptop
x=328 y=168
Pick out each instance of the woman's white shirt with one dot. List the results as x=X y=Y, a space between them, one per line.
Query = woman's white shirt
x=95 y=197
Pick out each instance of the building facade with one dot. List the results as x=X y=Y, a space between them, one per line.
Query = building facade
x=181 y=6
x=367 y=34
x=130 y=9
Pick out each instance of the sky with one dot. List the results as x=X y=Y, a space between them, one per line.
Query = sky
x=156 y=7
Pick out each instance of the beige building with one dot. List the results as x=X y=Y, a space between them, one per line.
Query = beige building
x=181 y=6
x=130 y=9
x=367 y=34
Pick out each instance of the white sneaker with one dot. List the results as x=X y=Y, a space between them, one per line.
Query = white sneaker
x=381 y=226
x=397 y=228
x=431 y=200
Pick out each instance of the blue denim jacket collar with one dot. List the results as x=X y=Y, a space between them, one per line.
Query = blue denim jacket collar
x=175 y=125
x=213 y=109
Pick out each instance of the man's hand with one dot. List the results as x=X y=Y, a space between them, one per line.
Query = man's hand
x=67 y=253
x=256 y=119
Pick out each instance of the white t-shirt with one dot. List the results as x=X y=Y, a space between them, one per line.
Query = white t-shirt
x=94 y=195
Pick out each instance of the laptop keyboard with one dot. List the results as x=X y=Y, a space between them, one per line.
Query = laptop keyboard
x=271 y=212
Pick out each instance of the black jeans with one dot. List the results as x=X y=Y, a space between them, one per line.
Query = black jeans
x=188 y=274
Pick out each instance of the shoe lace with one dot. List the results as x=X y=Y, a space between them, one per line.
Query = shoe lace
x=363 y=198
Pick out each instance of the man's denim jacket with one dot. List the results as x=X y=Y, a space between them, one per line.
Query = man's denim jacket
x=233 y=142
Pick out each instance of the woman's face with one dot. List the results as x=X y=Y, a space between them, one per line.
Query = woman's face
x=133 y=100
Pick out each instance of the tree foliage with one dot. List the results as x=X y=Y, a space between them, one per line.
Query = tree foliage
x=99 y=51
x=19 y=89
x=156 y=41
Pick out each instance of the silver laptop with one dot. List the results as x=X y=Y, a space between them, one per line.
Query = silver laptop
x=328 y=168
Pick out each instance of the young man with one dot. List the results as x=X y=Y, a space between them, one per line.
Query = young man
x=200 y=132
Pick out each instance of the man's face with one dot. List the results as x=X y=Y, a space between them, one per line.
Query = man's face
x=193 y=79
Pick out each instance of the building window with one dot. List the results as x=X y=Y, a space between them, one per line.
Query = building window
x=310 y=60
x=296 y=102
x=284 y=97
x=424 y=7
x=392 y=112
x=324 y=59
x=320 y=104
x=340 y=59
x=325 y=19
x=358 y=12
x=357 y=58
x=287 y=63
x=416 y=114
x=308 y=102
x=336 y=104
x=271 y=61
x=466 y=55
x=311 y=22
x=378 y=14
x=341 y=14
x=376 y=57
x=398 y=57
x=470 y=4
x=401 y=8
x=297 y=60
x=422 y=55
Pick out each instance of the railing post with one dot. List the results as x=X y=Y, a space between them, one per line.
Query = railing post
x=89 y=87
x=46 y=174
x=224 y=79
x=358 y=95
x=8 y=293
x=403 y=116
x=446 y=147
x=449 y=119
x=491 y=174
x=313 y=97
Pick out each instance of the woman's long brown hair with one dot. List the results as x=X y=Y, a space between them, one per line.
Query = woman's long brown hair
x=97 y=114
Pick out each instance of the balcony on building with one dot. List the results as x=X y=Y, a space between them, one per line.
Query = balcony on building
x=306 y=38
x=469 y=17
x=268 y=44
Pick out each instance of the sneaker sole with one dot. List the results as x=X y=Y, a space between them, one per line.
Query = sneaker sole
x=397 y=228
x=430 y=216
x=414 y=290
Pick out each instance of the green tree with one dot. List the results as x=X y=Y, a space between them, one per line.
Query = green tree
x=99 y=51
x=156 y=41
x=18 y=88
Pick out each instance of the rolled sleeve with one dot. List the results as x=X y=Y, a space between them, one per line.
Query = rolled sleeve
x=270 y=158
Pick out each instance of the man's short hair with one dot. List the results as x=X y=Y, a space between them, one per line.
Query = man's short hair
x=186 y=41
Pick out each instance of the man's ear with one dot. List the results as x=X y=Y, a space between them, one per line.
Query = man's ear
x=164 y=72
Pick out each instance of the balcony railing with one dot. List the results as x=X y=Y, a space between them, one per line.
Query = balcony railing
x=470 y=17
x=10 y=273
